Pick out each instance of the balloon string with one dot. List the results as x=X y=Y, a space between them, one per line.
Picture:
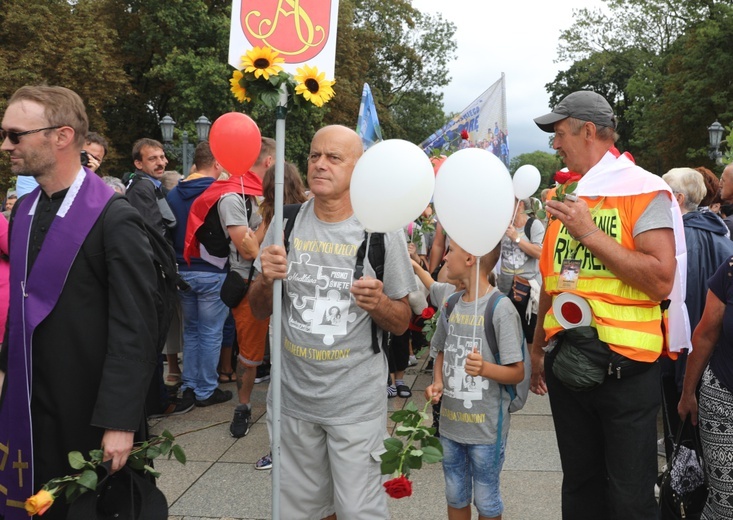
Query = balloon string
x=475 y=303
x=516 y=209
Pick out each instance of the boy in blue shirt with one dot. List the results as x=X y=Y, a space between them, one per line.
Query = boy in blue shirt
x=471 y=385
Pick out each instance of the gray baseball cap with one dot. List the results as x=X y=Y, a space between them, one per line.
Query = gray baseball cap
x=584 y=105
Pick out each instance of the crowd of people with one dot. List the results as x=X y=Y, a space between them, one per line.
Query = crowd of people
x=606 y=286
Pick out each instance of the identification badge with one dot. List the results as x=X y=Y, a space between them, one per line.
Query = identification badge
x=569 y=273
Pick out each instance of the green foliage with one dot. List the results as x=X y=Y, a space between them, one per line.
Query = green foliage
x=663 y=66
x=401 y=457
x=547 y=163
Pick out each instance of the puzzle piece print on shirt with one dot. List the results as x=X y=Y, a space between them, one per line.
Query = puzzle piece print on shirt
x=465 y=387
x=330 y=316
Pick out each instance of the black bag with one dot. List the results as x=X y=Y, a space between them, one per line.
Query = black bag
x=234 y=288
x=211 y=235
x=683 y=486
x=520 y=290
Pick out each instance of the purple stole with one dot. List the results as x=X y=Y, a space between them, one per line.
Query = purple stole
x=33 y=297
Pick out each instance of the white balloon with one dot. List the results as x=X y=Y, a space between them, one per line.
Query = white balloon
x=391 y=186
x=474 y=199
x=526 y=180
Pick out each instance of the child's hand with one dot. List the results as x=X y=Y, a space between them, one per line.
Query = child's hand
x=434 y=392
x=250 y=244
x=474 y=364
x=415 y=266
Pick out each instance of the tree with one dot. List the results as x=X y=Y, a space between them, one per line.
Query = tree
x=547 y=163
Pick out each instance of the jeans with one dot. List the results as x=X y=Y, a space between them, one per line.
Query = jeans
x=473 y=469
x=607 y=438
x=203 y=320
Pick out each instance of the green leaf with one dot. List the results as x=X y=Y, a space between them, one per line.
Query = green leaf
x=431 y=441
x=151 y=470
x=411 y=406
x=168 y=435
x=414 y=462
x=393 y=444
x=400 y=415
x=404 y=430
x=152 y=452
x=431 y=455
x=88 y=479
x=179 y=454
x=165 y=447
x=76 y=460
x=136 y=463
x=390 y=456
x=96 y=456
x=416 y=453
x=389 y=467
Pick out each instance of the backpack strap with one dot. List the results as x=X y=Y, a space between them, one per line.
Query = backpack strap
x=376 y=260
x=528 y=228
x=290 y=213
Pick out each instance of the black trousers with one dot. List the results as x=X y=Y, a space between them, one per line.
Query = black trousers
x=607 y=439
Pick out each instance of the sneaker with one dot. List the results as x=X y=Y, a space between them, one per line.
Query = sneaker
x=240 y=424
x=179 y=406
x=412 y=361
x=219 y=396
x=391 y=391
x=263 y=374
x=265 y=462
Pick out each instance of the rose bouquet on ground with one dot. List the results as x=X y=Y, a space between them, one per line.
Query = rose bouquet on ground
x=261 y=77
x=403 y=456
x=73 y=486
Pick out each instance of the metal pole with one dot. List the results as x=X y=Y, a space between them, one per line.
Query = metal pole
x=277 y=294
x=185 y=159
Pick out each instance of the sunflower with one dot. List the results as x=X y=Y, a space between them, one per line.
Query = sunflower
x=263 y=61
x=313 y=86
x=237 y=88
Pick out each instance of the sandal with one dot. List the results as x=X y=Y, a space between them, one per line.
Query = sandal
x=227 y=377
x=404 y=391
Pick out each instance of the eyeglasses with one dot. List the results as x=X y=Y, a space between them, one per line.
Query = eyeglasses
x=14 y=137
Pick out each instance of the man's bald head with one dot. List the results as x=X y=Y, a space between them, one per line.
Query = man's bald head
x=334 y=152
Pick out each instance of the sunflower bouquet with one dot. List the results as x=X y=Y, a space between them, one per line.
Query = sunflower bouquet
x=261 y=77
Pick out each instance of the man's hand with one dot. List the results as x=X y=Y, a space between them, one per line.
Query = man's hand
x=117 y=446
x=274 y=262
x=537 y=383
x=574 y=214
x=474 y=364
x=368 y=293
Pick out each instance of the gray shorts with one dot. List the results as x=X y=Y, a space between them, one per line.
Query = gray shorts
x=328 y=469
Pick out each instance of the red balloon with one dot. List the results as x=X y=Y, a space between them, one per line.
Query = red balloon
x=235 y=141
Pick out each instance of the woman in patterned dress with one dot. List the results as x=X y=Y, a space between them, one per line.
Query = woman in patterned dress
x=712 y=360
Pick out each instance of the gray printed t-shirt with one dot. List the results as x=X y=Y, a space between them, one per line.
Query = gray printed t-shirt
x=470 y=410
x=330 y=374
x=233 y=212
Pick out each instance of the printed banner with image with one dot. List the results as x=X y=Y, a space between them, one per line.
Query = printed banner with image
x=485 y=121
x=301 y=31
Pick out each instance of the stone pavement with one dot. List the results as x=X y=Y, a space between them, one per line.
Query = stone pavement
x=219 y=480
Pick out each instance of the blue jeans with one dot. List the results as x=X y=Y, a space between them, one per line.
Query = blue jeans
x=473 y=469
x=203 y=320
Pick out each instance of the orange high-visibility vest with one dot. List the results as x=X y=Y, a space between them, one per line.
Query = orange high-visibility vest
x=625 y=318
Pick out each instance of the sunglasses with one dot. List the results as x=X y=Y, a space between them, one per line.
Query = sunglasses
x=14 y=137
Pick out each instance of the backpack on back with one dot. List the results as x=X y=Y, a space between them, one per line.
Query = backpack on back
x=519 y=392
x=376 y=260
x=212 y=236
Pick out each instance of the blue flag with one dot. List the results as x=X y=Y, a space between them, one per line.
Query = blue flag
x=367 y=126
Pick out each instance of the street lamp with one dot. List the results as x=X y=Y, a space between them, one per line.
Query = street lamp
x=715 y=135
x=185 y=151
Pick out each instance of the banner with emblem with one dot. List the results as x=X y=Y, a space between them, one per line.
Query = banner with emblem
x=485 y=122
x=300 y=30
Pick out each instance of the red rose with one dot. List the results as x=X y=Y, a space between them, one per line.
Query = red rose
x=398 y=487
x=464 y=134
x=563 y=177
x=427 y=313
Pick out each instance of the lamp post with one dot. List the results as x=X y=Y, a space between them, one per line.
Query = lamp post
x=715 y=135
x=185 y=151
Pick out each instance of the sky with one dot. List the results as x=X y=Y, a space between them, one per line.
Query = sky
x=516 y=37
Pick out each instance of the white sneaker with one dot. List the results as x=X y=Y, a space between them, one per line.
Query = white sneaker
x=412 y=361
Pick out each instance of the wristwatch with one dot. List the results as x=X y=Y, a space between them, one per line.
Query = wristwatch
x=516 y=240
